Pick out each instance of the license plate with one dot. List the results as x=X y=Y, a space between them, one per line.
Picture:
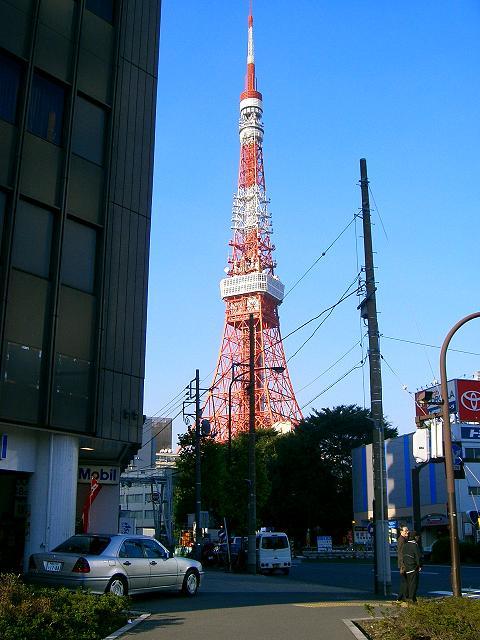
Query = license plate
x=275 y=565
x=52 y=566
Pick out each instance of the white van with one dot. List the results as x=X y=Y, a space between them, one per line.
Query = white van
x=273 y=552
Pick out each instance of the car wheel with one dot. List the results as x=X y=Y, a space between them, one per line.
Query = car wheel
x=117 y=586
x=286 y=571
x=190 y=583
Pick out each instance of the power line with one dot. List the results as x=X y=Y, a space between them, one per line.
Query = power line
x=378 y=211
x=330 y=367
x=344 y=297
x=322 y=255
x=433 y=346
x=357 y=366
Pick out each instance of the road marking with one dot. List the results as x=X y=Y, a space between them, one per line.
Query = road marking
x=347 y=603
x=467 y=593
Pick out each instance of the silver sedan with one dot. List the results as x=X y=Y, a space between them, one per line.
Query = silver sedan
x=115 y=563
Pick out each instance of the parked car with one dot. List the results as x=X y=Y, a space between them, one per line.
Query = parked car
x=115 y=563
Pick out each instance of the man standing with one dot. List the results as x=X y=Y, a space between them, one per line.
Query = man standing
x=412 y=563
x=402 y=539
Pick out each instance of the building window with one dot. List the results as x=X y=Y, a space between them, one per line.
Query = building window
x=3 y=206
x=47 y=105
x=472 y=454
x=72 y=391
x=88 y=131
x=78 y=256
x=135 y=497
x=20 y=393
x=474 y=491
x=32 y=239
x=10 y=75
x=148 y=514
x=136 y=514
x=101 y=8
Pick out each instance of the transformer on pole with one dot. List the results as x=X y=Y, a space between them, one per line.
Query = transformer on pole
x=251 y=287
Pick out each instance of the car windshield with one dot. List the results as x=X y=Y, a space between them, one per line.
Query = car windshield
x=274 y=542
x=86 y=545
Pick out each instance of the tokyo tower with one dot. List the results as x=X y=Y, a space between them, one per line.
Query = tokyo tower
x=251 y=288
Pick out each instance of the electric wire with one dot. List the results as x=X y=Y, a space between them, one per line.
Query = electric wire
x=432 y=346
x=378 y=211
x=467 y=468
x=404 y=386
x=322 y=255
x=329 y=368
x=344 y=296
x=357 y=366
x=360 y=327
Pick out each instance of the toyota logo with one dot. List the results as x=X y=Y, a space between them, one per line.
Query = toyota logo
x=471 y=400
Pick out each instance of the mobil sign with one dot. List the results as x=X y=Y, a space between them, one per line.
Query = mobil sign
x=103 y=475
x=463 y=399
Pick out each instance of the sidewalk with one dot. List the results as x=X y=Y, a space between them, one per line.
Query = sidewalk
x=245 y=607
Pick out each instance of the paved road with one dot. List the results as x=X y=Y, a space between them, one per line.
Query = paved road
x=311 y=602
x=359 y=576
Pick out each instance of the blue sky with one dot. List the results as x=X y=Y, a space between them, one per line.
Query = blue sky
x=396 y=83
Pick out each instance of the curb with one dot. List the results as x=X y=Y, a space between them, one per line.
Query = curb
x=350 y=624
x=129 y=626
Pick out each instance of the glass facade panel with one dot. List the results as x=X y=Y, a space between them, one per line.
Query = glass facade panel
x=32 y=239
x=88 y=131
x=21 y=382
x=472 y=454
x=71 y=392
x=3 y=204
x=10 y=74
x=47 y=104
x=78 y=256
x=101 y=8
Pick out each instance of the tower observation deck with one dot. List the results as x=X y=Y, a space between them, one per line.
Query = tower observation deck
x=251 y=287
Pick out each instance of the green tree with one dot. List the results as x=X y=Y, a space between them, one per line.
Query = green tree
x=224 y=478
x=311 y=473
x=213 y=476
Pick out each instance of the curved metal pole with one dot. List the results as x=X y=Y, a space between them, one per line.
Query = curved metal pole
x=447 y=445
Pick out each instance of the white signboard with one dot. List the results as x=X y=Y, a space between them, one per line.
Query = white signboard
x=126 y=525
x=324 y=543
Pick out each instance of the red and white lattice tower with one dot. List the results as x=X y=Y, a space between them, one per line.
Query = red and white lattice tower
x=251 y=287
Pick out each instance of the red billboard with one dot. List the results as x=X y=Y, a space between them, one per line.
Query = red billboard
x=468 y=400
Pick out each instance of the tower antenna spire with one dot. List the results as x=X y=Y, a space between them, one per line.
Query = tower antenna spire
x=250 y=80
x=251 y=289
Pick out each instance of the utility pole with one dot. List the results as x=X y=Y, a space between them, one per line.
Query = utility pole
x=252 y=498
x=198 y=470
x=383 y=579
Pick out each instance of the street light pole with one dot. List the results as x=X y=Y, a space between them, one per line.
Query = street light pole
x=198 y=471
x=252 y=501
x=447 y=446
x=252 y=497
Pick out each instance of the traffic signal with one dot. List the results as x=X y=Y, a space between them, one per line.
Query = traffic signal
x=424 y=397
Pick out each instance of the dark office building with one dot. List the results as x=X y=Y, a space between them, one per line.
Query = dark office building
x=78 y=83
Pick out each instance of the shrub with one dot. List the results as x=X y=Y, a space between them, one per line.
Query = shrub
x=469 y=552
x=56 y=614
x=432 y=619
